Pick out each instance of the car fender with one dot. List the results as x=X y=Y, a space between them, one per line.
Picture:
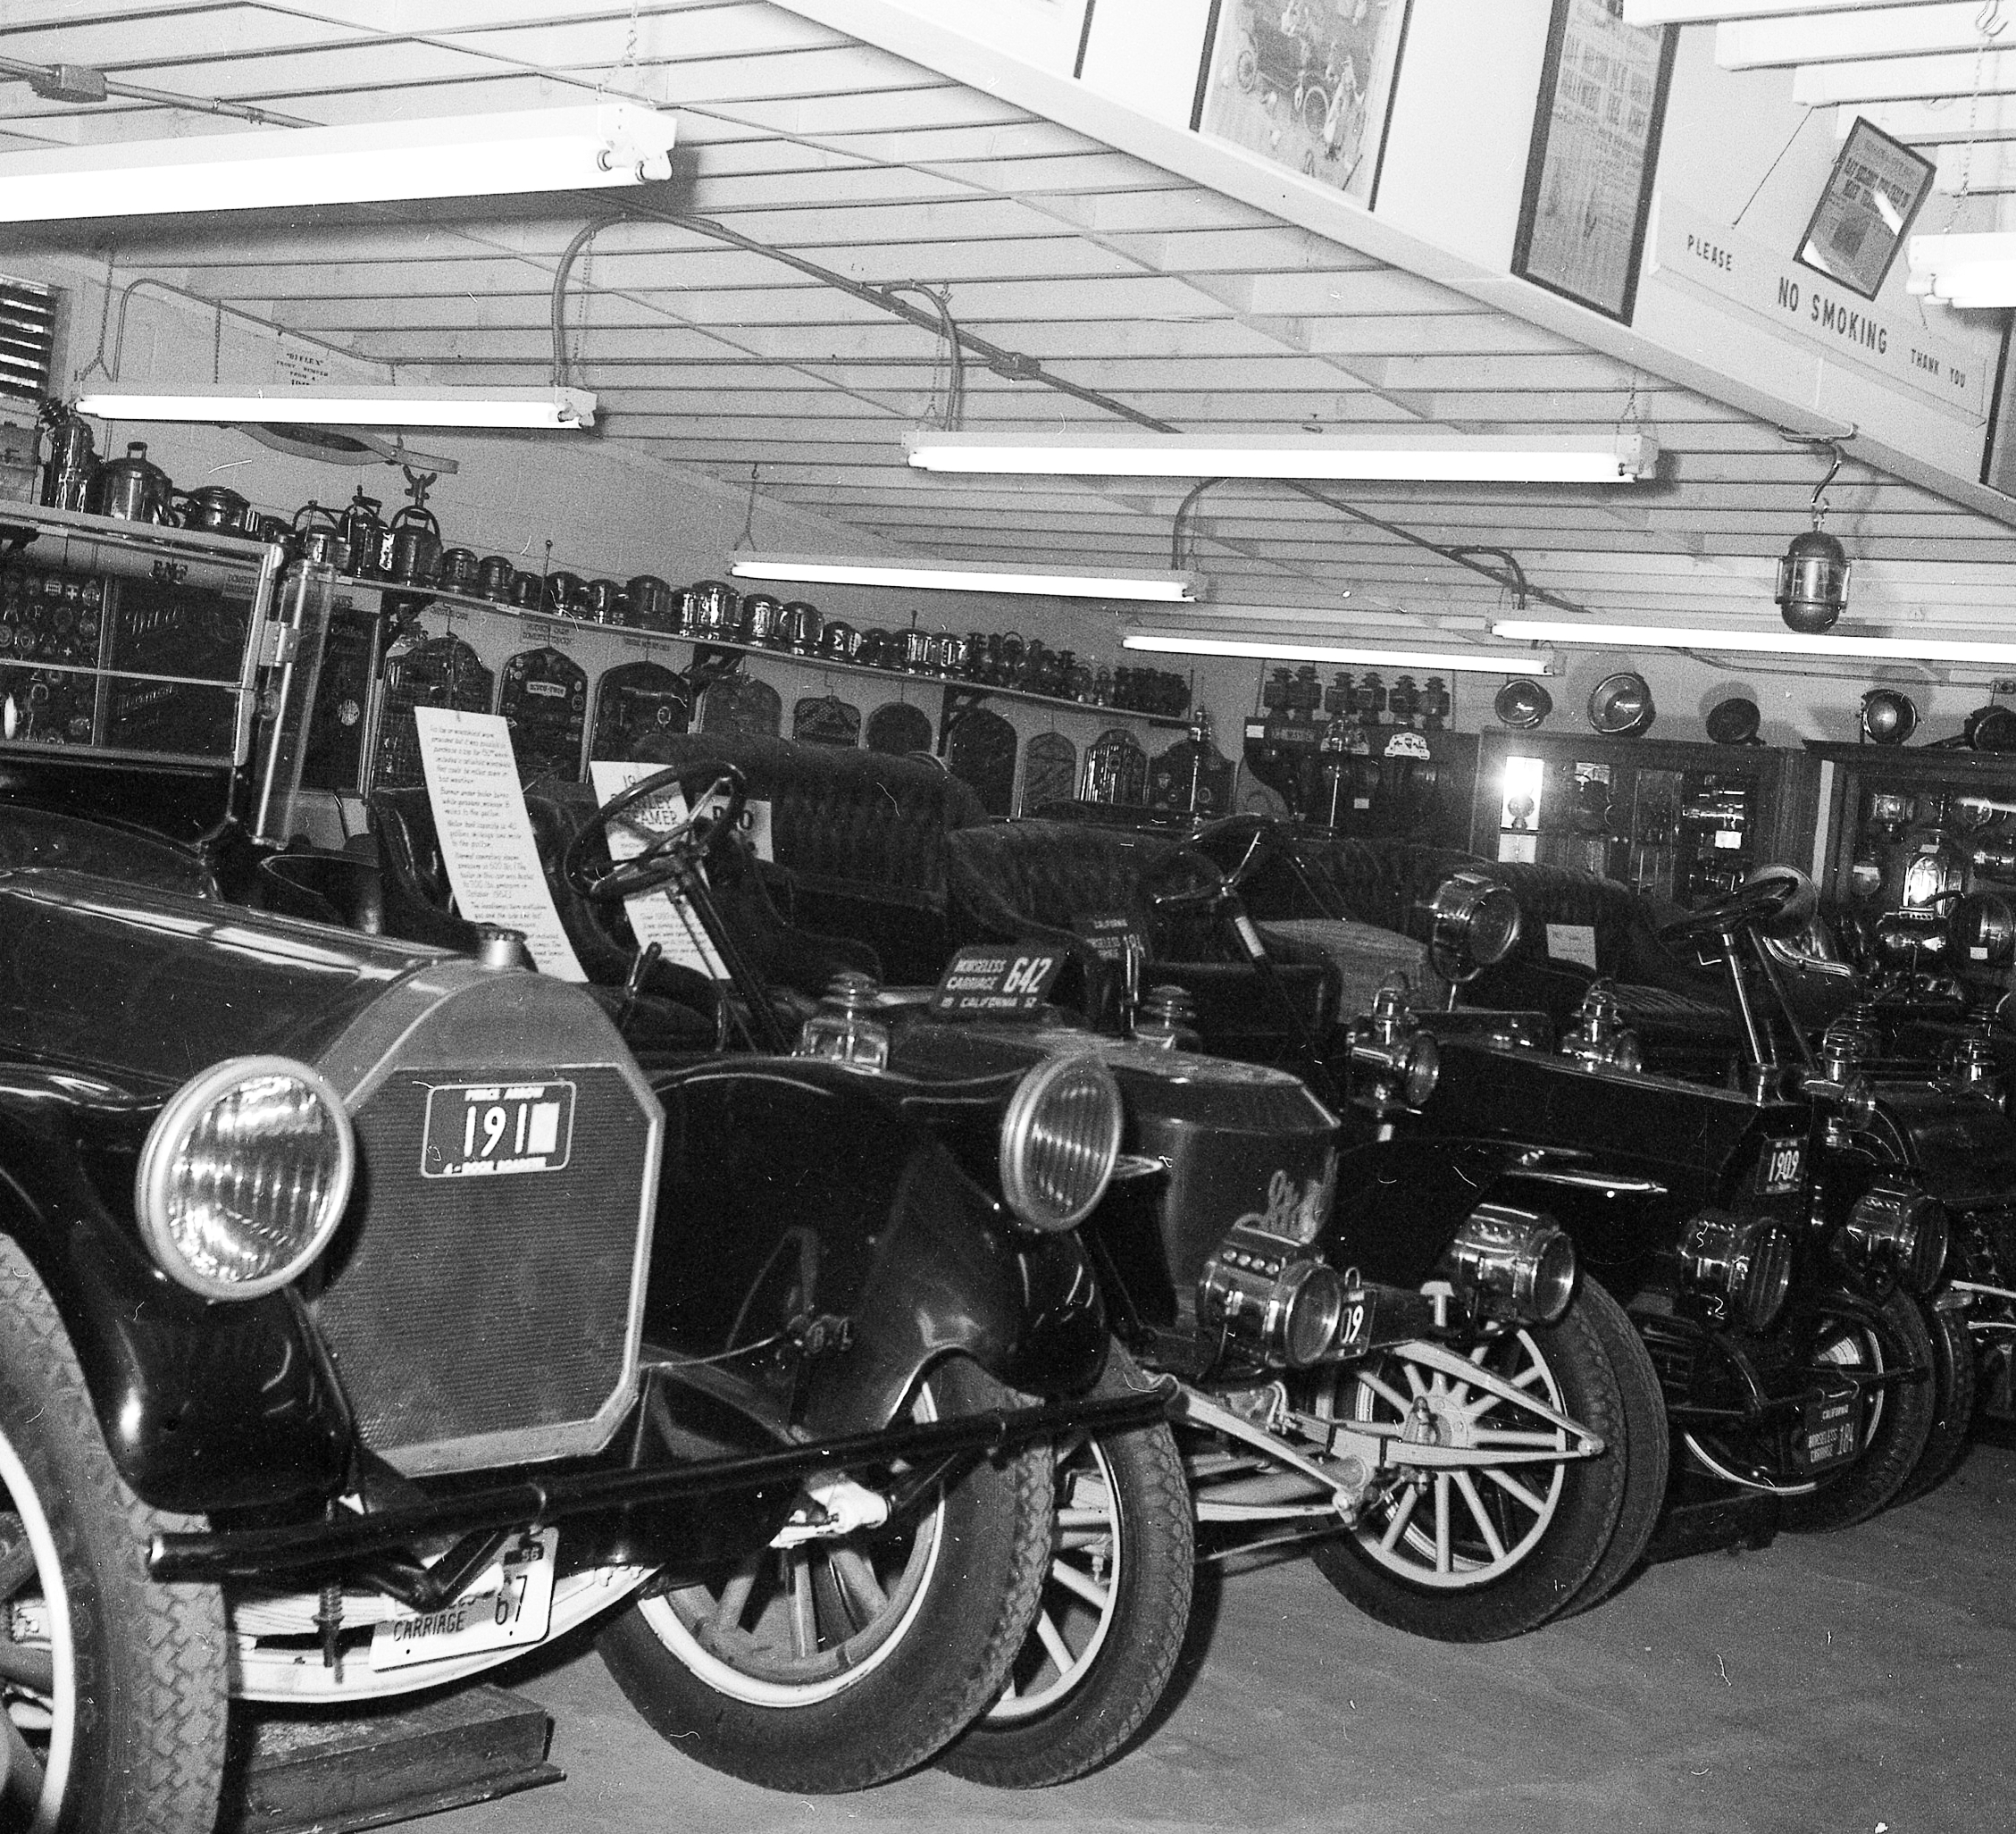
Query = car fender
x=808 y=1227
x=204 y=1406
x=1400 y=1201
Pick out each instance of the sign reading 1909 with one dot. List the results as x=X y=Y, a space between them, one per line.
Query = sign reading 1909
x=482 y=1129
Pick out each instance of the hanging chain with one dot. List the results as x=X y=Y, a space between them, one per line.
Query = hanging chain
x=747 y=536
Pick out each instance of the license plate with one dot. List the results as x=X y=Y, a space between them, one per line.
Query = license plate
x=512 y=1603
x=482 y=1129
x=1354 y=1323
x=1783 y=1162
x=1828 y=1433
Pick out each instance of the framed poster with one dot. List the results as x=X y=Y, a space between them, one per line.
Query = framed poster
x=1595 y=147
x=1866 y=211
x=1308 y=83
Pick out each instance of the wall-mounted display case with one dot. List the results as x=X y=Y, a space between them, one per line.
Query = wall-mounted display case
x=156 y=667
x=1910 y=828
x=1676 y=819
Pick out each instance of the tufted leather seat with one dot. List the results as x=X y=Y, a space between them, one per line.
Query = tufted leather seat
x=860 y=833
x=1038 y=878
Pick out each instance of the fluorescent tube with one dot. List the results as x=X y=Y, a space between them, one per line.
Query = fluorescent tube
x=1171 y=589
x=1506 y=662
x=332 y=405
x=1422 y=458
x=1759 y=643
x=593 y=147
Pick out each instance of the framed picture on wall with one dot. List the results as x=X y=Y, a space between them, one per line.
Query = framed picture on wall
x=1866 y=211
x=1596 y=148
x=1308 y=83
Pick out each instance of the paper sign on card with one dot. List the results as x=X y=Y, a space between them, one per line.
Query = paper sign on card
x=486 y=835
x=663 y=916
x=1572 y=943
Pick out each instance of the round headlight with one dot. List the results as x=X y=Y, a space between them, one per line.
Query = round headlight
x=243 y=1177
x=1747 y=1259
x=1061 y=1138
x=1899 y=1227
x=1308 y=1301
x=1472 y=923
x=1511 y=1263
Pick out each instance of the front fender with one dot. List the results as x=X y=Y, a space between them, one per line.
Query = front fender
x=1399 y=1202
x=812 y=1232
x=204 y=1406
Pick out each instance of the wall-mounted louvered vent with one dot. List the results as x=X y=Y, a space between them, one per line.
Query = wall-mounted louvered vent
x=28 y=342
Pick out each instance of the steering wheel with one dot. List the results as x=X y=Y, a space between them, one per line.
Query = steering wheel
x=671 y=853
x=1778 y=897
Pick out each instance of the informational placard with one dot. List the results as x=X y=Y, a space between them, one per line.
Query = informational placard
x=1866 y=211
x=996 y=982
x=1572 y=943
x=1594 y=148
x=662 y=917
x=486 y=835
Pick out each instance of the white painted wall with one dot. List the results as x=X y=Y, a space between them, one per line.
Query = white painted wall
x=1461 y=123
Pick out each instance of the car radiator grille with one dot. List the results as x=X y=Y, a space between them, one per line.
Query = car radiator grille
x=479 y=1320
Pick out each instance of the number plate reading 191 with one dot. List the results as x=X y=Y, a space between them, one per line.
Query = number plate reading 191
x=1778 y=1170
x=481 y=1129
x=511 y=1603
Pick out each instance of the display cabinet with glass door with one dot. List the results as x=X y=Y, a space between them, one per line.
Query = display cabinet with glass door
x=155 y=677
x=1683 y=820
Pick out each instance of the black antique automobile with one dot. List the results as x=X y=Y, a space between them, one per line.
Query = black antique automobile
x=371 y=1318
x=1249 y=1249
x=1778 y=1237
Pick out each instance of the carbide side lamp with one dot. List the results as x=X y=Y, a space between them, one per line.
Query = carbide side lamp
x=843 y=1029
x=1600 y=1039
x=1402 y=1060
x=1813 y=586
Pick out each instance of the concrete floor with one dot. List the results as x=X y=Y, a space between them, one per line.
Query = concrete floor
x=1860 y=1681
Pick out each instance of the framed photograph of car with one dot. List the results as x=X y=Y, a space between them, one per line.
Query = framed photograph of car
x=1595 y=151
x=1307 y=82
x=1872 y=195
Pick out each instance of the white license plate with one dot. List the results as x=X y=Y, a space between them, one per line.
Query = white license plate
x=480 y=1129
x=511 y=1602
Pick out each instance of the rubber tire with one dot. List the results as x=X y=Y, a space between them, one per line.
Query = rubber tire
x=1648 y=1449
x=150 y=1661
x=1892 y=1452
x=976 y=1607
x=1586 y=1515
x=1154 y=1566
x=1956 y=1375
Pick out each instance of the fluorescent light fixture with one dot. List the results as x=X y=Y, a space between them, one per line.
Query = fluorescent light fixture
x=334 y=405
x=1759 y=643
x=1963 y=270
x=1444 y=458
x=593 y=147
x=1484 y=662
x=1168 y=588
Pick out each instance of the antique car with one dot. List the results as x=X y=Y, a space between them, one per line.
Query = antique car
x=370 y=1320
x=1779 y=1244
x=373 y=1319
x=1247 y=1249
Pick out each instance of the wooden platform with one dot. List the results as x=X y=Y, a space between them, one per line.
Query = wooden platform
x=301 y=1771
